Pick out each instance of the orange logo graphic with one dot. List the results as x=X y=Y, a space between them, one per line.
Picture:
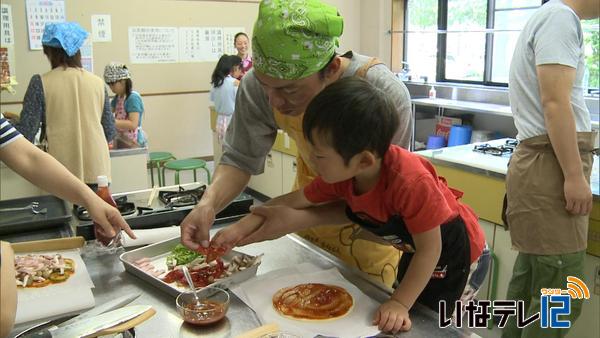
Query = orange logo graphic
x=576 y=288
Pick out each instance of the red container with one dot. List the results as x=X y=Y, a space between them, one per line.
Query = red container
x=104 y=194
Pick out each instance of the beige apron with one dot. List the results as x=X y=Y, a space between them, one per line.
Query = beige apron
x=379 y=261
x=536 y=215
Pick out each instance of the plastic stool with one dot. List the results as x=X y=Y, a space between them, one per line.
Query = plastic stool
x=186 y=164
x=157 y=159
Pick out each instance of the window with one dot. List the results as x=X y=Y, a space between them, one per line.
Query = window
x=465 y=40
x=421 y=38
x=592 y=44
x=509 y=18
x=473 y=41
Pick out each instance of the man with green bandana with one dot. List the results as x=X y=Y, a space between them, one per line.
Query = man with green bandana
x=294 y=58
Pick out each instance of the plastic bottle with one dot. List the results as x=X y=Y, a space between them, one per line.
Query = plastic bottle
x=432 y=92
x=104 y=194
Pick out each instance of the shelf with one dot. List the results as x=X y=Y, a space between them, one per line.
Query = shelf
x=471 y=106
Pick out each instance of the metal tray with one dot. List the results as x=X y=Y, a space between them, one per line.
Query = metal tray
x=159 y=251
x=20 y=221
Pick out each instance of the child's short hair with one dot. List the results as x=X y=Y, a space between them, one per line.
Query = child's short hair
x=352 y=116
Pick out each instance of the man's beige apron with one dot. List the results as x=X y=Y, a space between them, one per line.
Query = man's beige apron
x=379 y=261
x=536 y=215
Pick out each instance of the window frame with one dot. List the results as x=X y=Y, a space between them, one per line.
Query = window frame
x=442 y=43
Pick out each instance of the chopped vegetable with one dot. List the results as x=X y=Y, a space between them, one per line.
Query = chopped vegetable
x=57 y=277
x=181 y=255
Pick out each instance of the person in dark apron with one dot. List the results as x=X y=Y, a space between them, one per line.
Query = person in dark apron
x=394 y=195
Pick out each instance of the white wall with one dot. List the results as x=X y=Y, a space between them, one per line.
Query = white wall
x=175 y=123
x=375 y=24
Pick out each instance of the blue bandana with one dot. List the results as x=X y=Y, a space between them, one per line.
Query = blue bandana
x=66 y=35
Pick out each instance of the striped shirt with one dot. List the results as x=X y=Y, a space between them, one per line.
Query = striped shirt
x=8 y=133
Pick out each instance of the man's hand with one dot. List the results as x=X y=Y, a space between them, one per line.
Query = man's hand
x=108 y=217
x=195 y=226
x=578 y=196
x=392 y=316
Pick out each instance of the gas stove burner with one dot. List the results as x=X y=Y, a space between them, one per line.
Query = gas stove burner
x=496 y=151
x=182 y=197
x=125 y=208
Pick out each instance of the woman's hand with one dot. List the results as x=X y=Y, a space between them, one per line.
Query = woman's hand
x=108 y=217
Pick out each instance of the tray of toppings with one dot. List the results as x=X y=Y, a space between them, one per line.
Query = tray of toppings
x=160 y=265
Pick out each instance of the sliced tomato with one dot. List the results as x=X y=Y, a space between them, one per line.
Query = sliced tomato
x=211 y=253
x=207 y=275
x=173 y=276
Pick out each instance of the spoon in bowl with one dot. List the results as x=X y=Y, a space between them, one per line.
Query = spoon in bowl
x=188 y=277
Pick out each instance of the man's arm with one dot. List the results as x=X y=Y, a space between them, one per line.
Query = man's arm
x=556 y=82
x=249 y=138
x=381 y=77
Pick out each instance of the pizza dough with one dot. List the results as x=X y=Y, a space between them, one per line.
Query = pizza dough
x=313 y=301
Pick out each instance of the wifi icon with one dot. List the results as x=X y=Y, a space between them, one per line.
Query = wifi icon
x=576 y=288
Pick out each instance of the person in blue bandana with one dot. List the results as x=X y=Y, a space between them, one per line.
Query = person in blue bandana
x=70 y=105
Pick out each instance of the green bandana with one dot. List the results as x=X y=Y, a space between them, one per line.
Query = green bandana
x=293 y=39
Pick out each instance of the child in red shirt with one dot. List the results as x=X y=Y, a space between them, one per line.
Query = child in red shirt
x=387 y=190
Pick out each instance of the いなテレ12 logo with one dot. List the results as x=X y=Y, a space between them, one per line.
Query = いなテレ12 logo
x=557 y=302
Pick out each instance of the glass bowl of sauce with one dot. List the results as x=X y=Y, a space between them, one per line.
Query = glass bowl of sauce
x=211 y=308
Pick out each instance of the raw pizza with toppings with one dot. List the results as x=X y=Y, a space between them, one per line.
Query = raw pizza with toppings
x=42 y=270
x=313 y=301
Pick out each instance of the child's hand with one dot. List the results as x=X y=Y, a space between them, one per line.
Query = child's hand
x=230 y=236
x=392 y=316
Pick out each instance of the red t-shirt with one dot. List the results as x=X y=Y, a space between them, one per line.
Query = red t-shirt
x=409 y=187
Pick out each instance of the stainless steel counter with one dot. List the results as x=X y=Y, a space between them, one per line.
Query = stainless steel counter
x=464 y=158
x=128 y=151
x=111 y=280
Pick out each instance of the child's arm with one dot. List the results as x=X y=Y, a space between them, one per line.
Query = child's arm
x=392 y=316
x=231 y=235
x=131 y=123
x=280 y=220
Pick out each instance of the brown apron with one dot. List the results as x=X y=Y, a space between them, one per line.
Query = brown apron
x=377 y=260
x=536 y=215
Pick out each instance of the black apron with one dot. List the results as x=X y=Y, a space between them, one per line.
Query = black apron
x=452 y=270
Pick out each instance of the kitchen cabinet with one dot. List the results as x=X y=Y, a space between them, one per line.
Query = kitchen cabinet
x=128 y=171
x=269 y=183
x=217 y=148
x=280 y=168
x=288 y=173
